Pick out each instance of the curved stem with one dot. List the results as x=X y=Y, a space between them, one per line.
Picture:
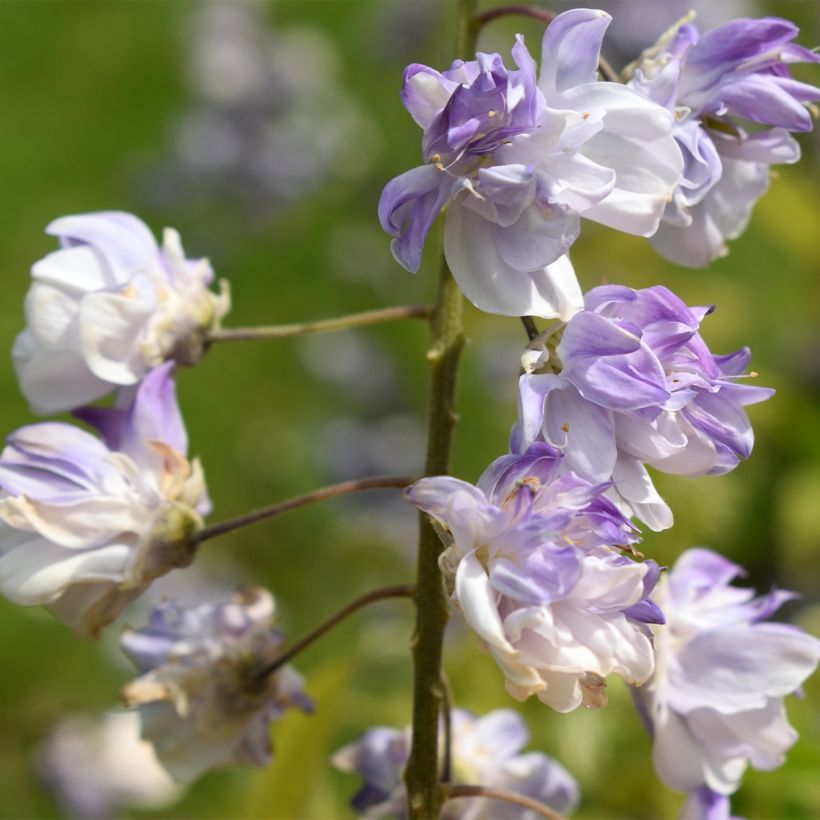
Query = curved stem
x=380 y=594
x=481 y=20
x=452 y=791
x=334 y=490
x=368 y=317
x=424 y=793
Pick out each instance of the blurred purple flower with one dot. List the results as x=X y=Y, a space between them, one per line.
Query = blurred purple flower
x=735 y=72
x=201 y=703
x=485 y=751
x=633 y=383
x=88 y=524
x=716 y=701
x=107 y=307
x=530 y=566
x=520 y=160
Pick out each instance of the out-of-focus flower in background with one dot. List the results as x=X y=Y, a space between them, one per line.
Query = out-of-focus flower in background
x=485 y=750
x=98 y=767
x=270 y=121
x=201 y=699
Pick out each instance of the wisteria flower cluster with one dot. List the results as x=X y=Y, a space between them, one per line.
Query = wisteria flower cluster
x=540 y=556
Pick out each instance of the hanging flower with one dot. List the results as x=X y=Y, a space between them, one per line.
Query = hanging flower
x=519 y=159
x=201 y=699
x=485 y=751
x=109 y=306
x=88 y=524
x=632 y=383
x=715 y=704
x=715 y=84
x=530 y=567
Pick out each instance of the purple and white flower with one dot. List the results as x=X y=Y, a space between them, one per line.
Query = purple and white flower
x=530 y=566
x=485 y=751
x=632 y=383
x=715 y=704
x=735 y=73
x=85 y=524
x=98 y=767
x=519 y=159
x=201 y=700
x=109 y=306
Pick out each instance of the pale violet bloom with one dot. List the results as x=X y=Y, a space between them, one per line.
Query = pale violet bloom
x=485 y=751
x=86 y=524
x=107 y=307
x=714 y=82
x=519 y=158
x=97 y=767
x=201 y=700
x=715 y=704
x=632 y=383
x=704 y=804
x=530 y=566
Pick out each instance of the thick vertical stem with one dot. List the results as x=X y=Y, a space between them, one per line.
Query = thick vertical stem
x=424 y=792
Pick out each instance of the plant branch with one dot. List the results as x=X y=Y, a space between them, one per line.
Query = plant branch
x=536 y=13
x=323 y=493
x=447 y=721
x=369 y=317
x=381 y=594
x=452 y=791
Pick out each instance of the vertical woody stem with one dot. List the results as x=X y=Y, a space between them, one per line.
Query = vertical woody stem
x=424 y=792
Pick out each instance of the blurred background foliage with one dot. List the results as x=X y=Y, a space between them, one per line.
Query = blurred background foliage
x=264 y=133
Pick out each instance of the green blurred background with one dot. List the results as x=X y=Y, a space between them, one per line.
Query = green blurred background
x=264 y=133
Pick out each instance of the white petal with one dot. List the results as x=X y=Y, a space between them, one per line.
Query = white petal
x=477 y=602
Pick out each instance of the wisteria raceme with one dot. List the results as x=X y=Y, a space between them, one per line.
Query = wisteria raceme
x=530 y=566
x=632 y=383
x=485 y=750
x=714 y=82
x=715 y=704
x=520 y=160
x=88 y=524
x=201 y=700
x=109 y=306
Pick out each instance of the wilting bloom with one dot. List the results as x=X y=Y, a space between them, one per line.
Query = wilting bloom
x=633 y=383
x=715 y=704
x=713 y=83
x=97 y=767
x=530 y=567
x=485 y=751
x=202 y=700
x=109 y=306
x=520 y=159
x=88 y=524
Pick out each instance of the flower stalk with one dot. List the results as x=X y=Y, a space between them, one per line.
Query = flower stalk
x=453 y=791
x=380 y=594
x=368 y=317
x=323 y=493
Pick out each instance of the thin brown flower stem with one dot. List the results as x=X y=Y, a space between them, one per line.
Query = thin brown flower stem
x=380 y=594
x=425 y=796
x=536 y=13
x=369 y=317
x=323 y=493
x=447 y=721
x=529 y=326
x=452 y=790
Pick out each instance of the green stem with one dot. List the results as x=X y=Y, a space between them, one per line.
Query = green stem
x=424 y=792
x=453 y=791
x=369 y=317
